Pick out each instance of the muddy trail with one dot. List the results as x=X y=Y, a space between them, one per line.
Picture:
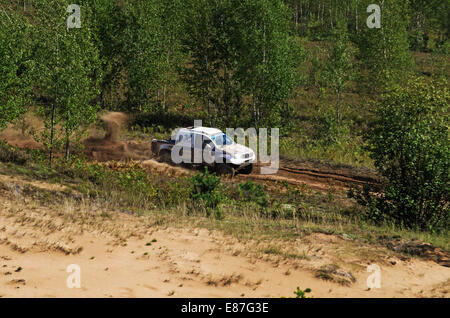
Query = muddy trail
x=316 y=175
x=108 y=145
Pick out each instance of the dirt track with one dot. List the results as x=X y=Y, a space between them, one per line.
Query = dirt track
x=108 y=145
x=111 y=147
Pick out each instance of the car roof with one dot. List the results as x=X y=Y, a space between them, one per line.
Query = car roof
x=203 y=130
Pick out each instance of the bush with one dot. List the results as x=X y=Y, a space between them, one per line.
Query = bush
x=205 y=191
x=129 y=179
x=253 y=192
x=328 y=129
x=410 y=147
x=12 y=154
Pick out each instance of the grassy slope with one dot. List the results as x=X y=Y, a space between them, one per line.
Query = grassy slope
x=318 y=211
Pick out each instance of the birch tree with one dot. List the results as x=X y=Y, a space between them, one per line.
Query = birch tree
x=15 y=65
x=67 y=75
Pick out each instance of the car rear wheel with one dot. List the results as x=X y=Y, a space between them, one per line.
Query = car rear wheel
x=164 y=156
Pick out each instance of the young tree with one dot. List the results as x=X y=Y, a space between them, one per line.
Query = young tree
x=67 y=75
x=338 y=69
x=426 y=17
x=197 y=43
x=144 y=57
x=108 y=23
x=171 y=17
x=15 y=65
x=268 y=58
x=384 y=52
x=410 y=148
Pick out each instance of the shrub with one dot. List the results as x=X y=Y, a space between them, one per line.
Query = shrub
x=12 y=154
x=131 y=181
x=205 y=191
x=410 y=148
x=253 y=192
x=301 y=293
x=328 y=129
x=135 y=179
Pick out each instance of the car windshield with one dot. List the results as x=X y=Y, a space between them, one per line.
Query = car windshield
x=221 y=139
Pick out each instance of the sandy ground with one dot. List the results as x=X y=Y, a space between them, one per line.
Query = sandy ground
x=123 y=255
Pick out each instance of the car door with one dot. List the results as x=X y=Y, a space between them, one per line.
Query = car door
x=184 y=147
x=197 y=149
x=208 y=150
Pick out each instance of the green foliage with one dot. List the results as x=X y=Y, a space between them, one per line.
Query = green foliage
x=172 y=18
x=151 y=51
x=108 y=24
x=67 y=72
x=135 y=186
x=15 y=65
x=206 y=191
x=294 y=194
x=409 y=144
x=328 y=128
x=142 y=53
x=136 y=179
x=384 y=53
x=253 y=192
x=242 y=58
x=427 y=19
x=338 y=70
x=301 y=293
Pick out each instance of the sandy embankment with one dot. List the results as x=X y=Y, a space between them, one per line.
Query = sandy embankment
x=119 y=257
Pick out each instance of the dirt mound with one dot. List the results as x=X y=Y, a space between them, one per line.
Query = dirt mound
x=110 y=147
x=416 y=248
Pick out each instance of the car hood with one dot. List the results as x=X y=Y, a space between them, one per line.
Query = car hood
x=235 y=149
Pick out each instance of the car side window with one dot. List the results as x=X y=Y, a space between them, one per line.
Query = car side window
x=184 y=139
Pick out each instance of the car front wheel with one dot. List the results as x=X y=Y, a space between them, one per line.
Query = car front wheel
x=225 y=170
x=247 y=169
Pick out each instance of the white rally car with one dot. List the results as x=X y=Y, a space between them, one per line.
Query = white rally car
x=205 y=146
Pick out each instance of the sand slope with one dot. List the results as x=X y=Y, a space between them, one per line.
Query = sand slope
x=118 y=258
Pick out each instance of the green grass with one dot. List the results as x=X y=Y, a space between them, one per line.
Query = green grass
x=348 y=152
